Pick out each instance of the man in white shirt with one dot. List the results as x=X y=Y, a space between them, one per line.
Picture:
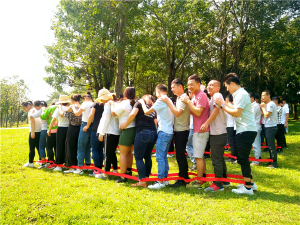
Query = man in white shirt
x=257 y=115
x=181 y=129
x=269 y=111
x=245 y=129
x=165 y=121
x=285 y=115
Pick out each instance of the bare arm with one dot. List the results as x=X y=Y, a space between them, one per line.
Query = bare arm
x=90 y=120
x=130 y=118
x=32 y=128
x=211 y=118
x=174 y=110
x=236 y=112
x=145 y=109
x=286 y=120
x=77 y=112
x=51 y=125
x=265 y=112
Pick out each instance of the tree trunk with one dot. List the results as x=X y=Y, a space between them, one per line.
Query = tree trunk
x=1 y=122
x=18 y=111
x=6 y=117
x=120 y=56
x=295 y=112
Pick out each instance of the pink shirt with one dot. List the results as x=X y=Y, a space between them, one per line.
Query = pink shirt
x=201 y=100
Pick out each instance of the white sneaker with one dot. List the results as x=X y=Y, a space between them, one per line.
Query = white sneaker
x=253 y=186
x=101 y=176
x=38 y=163
x=42 y=166
x=156 y=185
x=70 y=171
x=58 y=169
x=78 y=171
x=31 y=165
x=243 y=190
x=47 y=164
x=154 y=155
x=170 y=156
x=166 y=182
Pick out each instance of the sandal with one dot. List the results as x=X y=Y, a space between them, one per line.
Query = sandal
x=139 y=184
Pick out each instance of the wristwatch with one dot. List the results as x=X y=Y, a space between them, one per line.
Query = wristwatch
x=222 y=106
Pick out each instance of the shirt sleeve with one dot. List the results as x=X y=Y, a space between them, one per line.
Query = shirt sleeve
x=56 y=113
x=120 y=107
x=158 y=105
x=180 y=104
x=270 y=107
x=104 y=121
x=217 y=95
x=37 y=114
x=201 y=101
x=83 y=106
x=239 y=102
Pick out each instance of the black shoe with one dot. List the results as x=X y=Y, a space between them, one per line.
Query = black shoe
x=129 y=173
x=178 y=183
x=121 y=180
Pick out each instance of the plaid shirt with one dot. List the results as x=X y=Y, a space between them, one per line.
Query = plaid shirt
x=279 y=114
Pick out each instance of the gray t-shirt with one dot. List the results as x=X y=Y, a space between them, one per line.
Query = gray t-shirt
x=218 y=125
x=272 y=120
x=246 y=121
x=182 y=122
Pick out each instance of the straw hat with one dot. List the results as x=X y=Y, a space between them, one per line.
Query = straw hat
x=104 y=94
x=63 y=99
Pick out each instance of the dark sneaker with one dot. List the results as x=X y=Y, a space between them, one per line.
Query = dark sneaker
x=226 y=184
x=214 y=188
x=178 y=183
x=121 y=180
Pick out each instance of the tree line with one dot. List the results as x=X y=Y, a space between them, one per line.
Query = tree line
x=114 y=44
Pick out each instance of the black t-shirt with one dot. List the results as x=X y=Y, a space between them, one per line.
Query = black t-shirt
x=98 y=114
x=144 y=121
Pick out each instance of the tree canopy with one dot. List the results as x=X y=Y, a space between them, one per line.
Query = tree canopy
x=114 y=44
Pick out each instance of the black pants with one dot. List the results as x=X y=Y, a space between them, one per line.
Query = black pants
x=110 y=146
x=280 y=135
x=231 y=132
x=217 y=143
x=61 y=136
x=270 y=136
x=71 y=145
x=263 y=134
x=243 y=143
x=181 y=138
x=33 y=144
x=50 y=146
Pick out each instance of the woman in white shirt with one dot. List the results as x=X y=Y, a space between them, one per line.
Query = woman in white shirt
x=84 y=144
x=109 y=132
x=62 y=129
x=40 y=106
x=122 y=110
x=35 y=126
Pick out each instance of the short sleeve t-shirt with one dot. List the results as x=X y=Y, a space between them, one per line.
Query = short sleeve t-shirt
x=165 y=117
x=123 y=109
x=201 y=101
x=98 y=114
x=182 y=122
x=285 y=110
x=38 y=122
x=257 y=114
x=246 y=121
x=62 y=121
x=144 y=121
x=218 y=125
x=272 y=120
x=87 y=107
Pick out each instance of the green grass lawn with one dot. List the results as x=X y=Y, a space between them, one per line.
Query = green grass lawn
x=44 y=196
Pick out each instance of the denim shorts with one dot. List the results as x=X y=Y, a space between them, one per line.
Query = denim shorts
x=127 y=136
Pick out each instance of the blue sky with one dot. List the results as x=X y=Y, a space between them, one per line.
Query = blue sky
x=25 y=30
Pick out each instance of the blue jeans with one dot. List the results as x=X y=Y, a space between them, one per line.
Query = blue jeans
x=42 y=143
x=97 y=150
x=162 y=147
x=84 y=146
x=143 y=144
x=189 y=147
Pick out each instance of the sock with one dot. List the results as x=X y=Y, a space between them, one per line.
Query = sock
x=129 y=169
